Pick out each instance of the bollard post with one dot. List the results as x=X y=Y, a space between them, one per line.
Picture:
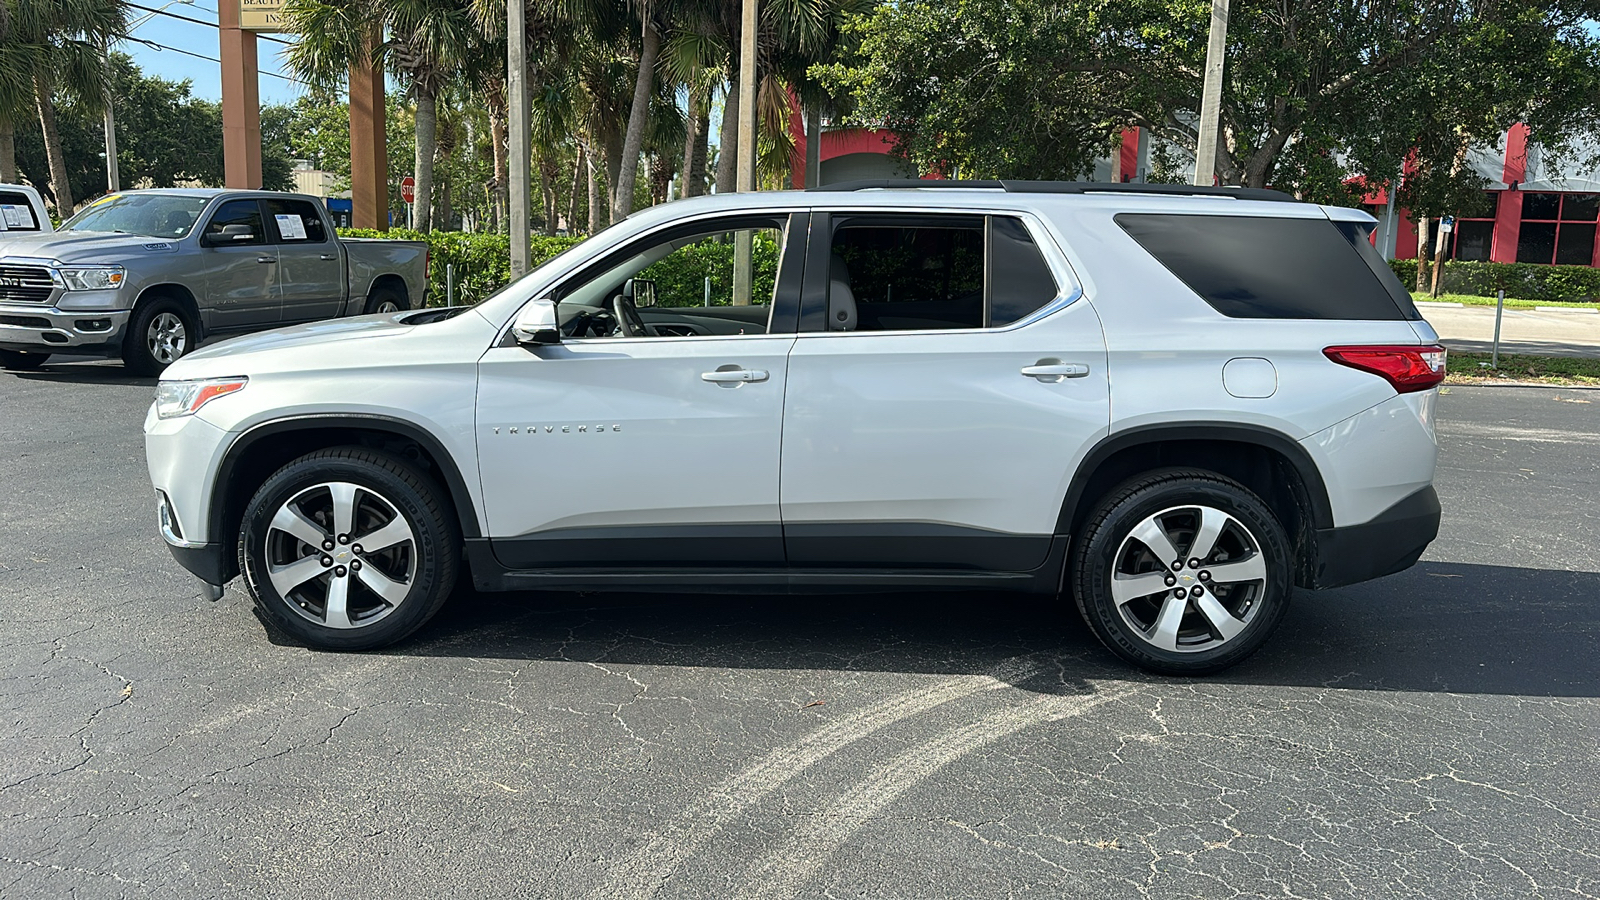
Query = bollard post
x=1499 y=311
x=450 y=284
x=708 y=290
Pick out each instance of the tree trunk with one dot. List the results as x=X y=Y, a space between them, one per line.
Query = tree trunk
x=446 y=216
x=498 y=129
x=613 y=148
x=595 y=209
x=572 y=197
x=633 y=144
x=702 y=149
x=548 y=172
x=427 y=145
x=1424 y=253
x=728 y=141
x=691 y=141
x=60 y=187
x=8 y=152
x=814 y=146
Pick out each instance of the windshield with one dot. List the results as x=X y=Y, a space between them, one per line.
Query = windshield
x=155 y=215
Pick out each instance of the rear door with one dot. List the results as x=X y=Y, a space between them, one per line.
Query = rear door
x=310 y=271
x=942 y=391
x=237 y=274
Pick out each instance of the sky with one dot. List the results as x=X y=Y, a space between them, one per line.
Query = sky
x=178 y=35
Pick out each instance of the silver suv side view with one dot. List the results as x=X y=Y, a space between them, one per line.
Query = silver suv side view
x=1169 y=406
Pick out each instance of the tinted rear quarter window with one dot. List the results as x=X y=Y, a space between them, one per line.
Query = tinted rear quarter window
x=1256 y=267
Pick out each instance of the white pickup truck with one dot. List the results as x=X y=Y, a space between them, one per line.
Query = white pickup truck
x=147 y=275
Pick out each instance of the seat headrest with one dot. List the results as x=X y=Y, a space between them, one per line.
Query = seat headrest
x=841 y=300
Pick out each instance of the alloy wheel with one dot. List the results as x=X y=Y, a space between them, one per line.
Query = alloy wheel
x=1189 y=579
x=341 y=554
x=167 y=338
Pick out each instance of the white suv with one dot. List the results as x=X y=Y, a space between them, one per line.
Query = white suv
x=1171 y=404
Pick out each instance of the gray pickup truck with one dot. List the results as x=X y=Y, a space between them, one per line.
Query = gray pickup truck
x=147 y=275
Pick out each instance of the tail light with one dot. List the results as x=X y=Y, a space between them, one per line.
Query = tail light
x=1408 y=368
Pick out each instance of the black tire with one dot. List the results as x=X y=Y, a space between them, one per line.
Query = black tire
x=21 y=361
x=384 y=297
x=151 y=344
x=419 y=572
x=1196 y=639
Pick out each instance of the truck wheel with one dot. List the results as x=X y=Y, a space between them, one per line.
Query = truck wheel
x=158 y=335
x=1182 y=572
x=21 y=360
x=387 y=300
x=348 y=549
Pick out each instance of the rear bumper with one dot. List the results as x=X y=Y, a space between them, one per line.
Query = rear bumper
x=46 y=329
x=1393 y=541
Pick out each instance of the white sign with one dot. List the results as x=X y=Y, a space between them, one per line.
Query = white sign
x=291 y=227
x=16 y=216
x=261 y=15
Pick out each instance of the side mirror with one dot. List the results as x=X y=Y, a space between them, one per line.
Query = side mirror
x=536 y=324
x=237 y=233
x=642 y=291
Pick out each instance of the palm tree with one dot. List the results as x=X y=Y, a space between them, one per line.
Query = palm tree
x=55 y=45
x=428 y=42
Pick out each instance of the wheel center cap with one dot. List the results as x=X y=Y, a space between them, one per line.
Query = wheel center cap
x=1186 y=578
x=342 y=554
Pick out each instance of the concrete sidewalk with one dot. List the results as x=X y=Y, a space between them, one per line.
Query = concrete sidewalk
x=1522 y=331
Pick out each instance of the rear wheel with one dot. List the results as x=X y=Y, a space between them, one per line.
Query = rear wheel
x=159 y=333
x=1182 y=572
x=22 y=360
x=387 y=300
x=348 y=549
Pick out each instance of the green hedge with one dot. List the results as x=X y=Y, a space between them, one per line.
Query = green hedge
x=483 y=265
x=482 y=261
x=1522 y=281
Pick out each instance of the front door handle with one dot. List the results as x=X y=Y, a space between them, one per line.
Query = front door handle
x=1050 y=371
x=734 y=376
x=266 y=259
x=328 y=257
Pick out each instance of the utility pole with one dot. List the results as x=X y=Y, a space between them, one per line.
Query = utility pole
x=746 y=173
x=113 y=176
x=521 y=134
x=1205 y=151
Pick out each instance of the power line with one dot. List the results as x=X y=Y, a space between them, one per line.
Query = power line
x=159 y=46
x=173 y=15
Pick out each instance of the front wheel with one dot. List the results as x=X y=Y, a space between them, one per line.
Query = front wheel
x=159 y=333
x=1182 y=572
x=348 y=549
x=21 y=360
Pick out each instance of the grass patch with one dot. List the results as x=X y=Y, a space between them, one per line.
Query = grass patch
x=1475 y=300
x=1570 y=371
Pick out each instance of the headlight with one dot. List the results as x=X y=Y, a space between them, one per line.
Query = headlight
x=184 y=398
x=93 y=278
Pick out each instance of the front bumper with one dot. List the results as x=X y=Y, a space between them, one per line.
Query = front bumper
x=1391 y=542
x=183 y=455
x=49 y=329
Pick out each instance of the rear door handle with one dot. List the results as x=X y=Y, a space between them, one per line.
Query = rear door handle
x=330 y=257
x=1051 y=371
x=734 y=376
x=266 y=259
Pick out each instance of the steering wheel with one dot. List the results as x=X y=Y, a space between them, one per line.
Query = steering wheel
x=629 y=322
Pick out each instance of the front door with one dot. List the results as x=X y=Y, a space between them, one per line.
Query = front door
x=940 y=402
x=310 y=270
x=633 y=446
x=237 y=269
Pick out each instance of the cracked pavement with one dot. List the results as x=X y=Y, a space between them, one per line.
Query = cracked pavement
x=1431 y=734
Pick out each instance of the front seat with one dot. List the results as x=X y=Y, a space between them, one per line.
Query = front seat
x=841 y=300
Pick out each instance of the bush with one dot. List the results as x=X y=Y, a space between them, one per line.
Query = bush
x=1522 y=281
x=482 y=261
x=681 y=278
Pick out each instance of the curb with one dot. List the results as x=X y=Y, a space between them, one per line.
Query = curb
x=1440 y=303
x=1567 y=309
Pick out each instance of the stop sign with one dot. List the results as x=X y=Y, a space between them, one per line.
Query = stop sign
x=408 y=189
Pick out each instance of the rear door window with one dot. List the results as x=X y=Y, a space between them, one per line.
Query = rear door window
x=1257 y=267
x=295 y=222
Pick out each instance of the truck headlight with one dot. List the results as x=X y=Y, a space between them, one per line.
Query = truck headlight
x=175 y=399
x=93 y=278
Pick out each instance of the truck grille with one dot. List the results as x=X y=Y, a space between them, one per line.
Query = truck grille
x=25 y=284
x=26 y=321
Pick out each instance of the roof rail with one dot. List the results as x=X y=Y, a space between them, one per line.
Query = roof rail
x=1062 y=187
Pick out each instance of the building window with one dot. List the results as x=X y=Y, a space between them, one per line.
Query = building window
x=1558 y=228
x=1474 y=235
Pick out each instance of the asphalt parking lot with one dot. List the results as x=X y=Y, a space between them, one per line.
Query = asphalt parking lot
x=1431 y=734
